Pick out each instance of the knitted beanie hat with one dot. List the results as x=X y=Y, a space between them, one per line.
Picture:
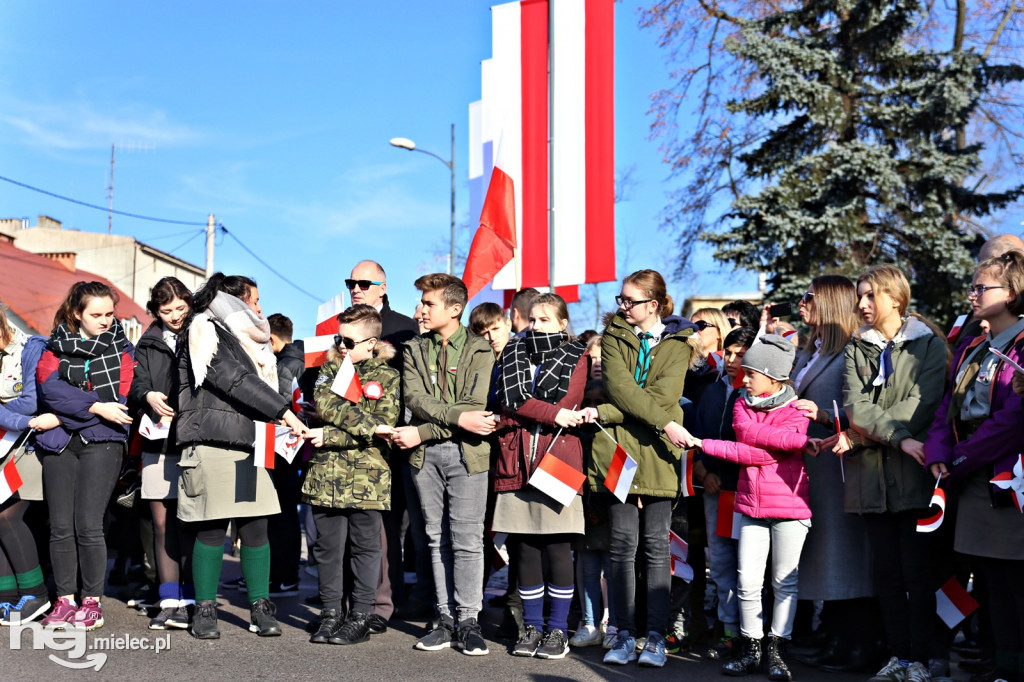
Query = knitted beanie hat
x=772 y=356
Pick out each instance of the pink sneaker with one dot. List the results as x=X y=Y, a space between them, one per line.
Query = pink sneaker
x=90 y=615
x=62 y=614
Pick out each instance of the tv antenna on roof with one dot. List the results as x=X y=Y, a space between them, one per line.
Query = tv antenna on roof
x=130 y=147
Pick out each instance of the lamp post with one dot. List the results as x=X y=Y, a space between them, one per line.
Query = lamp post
x=406 y=143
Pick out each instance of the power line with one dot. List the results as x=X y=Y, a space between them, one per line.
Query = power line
x=267 y=265
x=101 y=208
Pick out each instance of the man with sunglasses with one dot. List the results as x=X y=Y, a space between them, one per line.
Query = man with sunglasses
x=368 y=285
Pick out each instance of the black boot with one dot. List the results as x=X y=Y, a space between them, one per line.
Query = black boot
x=777 y=668
x=748 y=659
x=328 y=625
x=354 y=630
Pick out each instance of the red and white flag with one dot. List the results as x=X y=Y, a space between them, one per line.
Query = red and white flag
x=679 y=550
x=728 y=522
x=315 y=349
x=296 y=396
x=8 y=439
x=933 y=522
x=686 y=473
x=715 y=361
x=839 y=432
x=286 y=443
x=954 y=333
x=346 y=382
x=558 y=480
x=953 y=603
x=327 y=315
x=737 y=383
x=494 y=243
x=10 y=481
x=1014 y=482
x=620 y=475
x=266 y=440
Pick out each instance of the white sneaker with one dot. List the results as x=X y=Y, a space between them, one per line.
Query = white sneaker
x=586 y=635
x=610 y=633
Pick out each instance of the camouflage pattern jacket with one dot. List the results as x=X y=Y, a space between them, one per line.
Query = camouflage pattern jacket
x=351 y=470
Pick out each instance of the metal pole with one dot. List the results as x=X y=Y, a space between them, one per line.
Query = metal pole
x=451 y=257
x=210 y=231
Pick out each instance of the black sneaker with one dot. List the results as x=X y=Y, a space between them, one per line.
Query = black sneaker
x=262 y=620
x=468 y=639
x=353 y=631
x=325 y=627
x=236 y=584
x=141 y=596
x=159 y=622
x=284 y=589
x=528 y=643
x=178 y=618
x=378 y=624
x=204 y=624
x=556 y=645
x=28 y=608
x=440 y=637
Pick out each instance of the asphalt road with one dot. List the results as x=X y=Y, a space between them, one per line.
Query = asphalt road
x=239 y=654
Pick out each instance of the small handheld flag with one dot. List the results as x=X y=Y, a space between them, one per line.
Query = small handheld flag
x=315 y=349
x=954 y=333
x=558 y=480
x=621 y=471
x=10 y=481
x=1014 y=482
x=728 y=522
x=8 y=439
x=933 y=522
x=679 y=551
x=263 y=448
x=151 y=430
x=327 y=315
x=686 y=473
x=839 y=432
x=1005 y=358
x=953 y=603
x=346 y=383
x=296 y=396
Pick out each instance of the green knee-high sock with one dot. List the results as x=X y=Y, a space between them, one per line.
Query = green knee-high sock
x=256 y=571
x=29 y=582
x=8 y=589
x=206 y=565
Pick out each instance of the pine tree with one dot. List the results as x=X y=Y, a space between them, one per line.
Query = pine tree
x=860 y=162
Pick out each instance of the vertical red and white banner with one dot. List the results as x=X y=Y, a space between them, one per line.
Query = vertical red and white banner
x=266 y=442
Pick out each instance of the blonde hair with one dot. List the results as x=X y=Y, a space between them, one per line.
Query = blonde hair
x=891 y=281
x=653 y=285
x=717 y=318
x=1008 y=268
x=835 y=312
x=6 y=333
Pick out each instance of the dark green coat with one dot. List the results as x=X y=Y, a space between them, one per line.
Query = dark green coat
x=880 y=477
x=351 y=470
x=635 y=416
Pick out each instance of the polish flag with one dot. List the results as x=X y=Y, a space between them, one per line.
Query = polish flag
x=954 y=333
x=728 y=522
x=558 y=480
x=494 y=244
x=715 y=361
x=266 y=440
x=933 y=522
x=346 y=382
x=737 y=383
x=296 y=396
x=10 y=481
x=679 y=550
x=286 y=443
x=315 y=349
x=327 y=315
x=620 y=475
x=953 y=603
x=8 y=439
x=686 y=473
x=1014 y=482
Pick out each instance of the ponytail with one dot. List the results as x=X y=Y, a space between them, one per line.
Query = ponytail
x=233 y=285
x=653 y=285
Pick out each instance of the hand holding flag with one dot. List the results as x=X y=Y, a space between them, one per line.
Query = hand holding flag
x=619 y=479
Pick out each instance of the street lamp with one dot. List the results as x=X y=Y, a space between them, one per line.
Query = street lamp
x=406 y=143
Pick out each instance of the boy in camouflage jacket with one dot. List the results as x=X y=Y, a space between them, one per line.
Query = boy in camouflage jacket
x=348 y=482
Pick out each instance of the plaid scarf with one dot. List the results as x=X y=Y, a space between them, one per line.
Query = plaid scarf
x=91 y=364
x=555 y=360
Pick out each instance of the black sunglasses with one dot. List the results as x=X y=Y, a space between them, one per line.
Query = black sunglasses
x=701 y=325
x=349 y=344
x=733 y=322
x=363 y=284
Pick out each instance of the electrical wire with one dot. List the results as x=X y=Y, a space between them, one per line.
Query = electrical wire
x=102 y=208
x=267 y=265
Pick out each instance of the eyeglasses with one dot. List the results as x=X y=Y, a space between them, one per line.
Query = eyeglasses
x=349 y=344
x=363 y=284
x=733 y=322
x=978 y=290
x=701 y=325
x=807 y=297
x=627 y=304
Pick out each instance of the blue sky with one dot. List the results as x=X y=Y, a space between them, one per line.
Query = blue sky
x=276 y=118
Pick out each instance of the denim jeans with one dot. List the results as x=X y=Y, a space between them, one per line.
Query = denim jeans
x=453 y=504
x=78 y=483
x=724 y=553
x=594 y=562
x=785 y=538
x=627 y=523
x=422 y=591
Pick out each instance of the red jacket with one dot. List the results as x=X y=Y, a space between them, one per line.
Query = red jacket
x=773 y=483
x=524 y=435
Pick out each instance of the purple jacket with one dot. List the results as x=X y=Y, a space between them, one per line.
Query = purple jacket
x=773 y=483
x=997 y=441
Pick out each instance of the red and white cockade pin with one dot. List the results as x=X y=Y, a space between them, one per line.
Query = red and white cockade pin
x=373 y=390
x=1014 y=482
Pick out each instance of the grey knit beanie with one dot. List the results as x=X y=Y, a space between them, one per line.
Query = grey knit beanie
x=772 y=356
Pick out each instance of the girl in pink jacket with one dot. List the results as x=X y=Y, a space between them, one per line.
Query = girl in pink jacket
x=772 y=498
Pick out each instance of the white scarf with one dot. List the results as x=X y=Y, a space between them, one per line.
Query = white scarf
x=251 y=330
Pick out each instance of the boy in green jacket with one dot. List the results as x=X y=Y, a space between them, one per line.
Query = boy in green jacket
x=445 y=378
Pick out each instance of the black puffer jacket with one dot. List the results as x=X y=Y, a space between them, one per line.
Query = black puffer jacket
x=291 y=363
x=221 y=412
x=156 y=369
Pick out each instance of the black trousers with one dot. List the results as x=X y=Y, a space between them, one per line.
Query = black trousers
x=358 y=530
x=284 y=530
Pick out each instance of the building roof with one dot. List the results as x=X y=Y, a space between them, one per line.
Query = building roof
x=34 y=287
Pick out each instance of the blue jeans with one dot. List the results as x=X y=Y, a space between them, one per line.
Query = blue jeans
x=453 y=504
x=723 y=564
x=593 y=563
x=785 y=538
x=627 y=523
